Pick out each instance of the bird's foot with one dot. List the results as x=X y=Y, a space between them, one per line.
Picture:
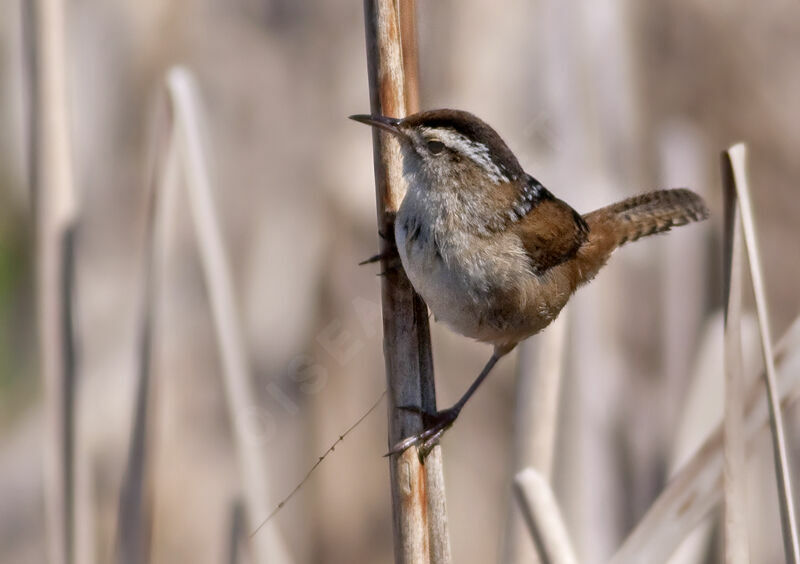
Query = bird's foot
x=435 y=426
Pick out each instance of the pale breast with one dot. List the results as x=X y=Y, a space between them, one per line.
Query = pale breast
x=426 y=270
x=471 y=287
x=481 y=285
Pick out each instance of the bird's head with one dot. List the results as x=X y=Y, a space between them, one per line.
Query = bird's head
x=450 y=150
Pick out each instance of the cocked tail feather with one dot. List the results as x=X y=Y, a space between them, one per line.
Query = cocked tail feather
x=648 y=214
x=631 y=219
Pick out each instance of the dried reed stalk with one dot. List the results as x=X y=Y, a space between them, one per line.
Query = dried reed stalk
x=540 y=367
x=236 y=531
x=268 y=545
x=696 y=488
x=55 y=211
x=736 y=156
x=736 y=545
x=418 y=500
x=543 y=518
x=134 y=512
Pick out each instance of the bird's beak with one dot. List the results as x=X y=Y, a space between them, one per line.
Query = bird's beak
x=392 y=125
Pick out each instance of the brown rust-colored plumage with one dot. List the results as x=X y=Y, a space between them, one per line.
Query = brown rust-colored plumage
x=631 y=219
x=551 y=233
x=549 y=230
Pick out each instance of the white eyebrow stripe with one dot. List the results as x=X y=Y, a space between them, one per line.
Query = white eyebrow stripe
x=473 y=150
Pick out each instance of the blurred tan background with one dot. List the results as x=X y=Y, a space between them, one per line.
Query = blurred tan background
x=599 y=100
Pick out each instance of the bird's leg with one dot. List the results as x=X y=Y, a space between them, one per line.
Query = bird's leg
x=437 y=423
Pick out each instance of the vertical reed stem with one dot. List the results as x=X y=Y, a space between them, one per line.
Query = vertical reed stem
x=55 y=214
x=418 y=500
x=183 y=93
x=134 y=513
x=735 y=470
x=736 y=155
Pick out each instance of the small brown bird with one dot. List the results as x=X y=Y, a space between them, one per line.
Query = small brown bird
x=492 y=252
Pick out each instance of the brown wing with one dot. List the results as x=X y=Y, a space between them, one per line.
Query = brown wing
x=551 y=231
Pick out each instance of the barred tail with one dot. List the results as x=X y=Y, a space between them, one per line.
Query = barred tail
x=647 y=214
x=631 y=219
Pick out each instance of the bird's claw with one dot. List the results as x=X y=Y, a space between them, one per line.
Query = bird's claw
x=435 y=426
x=390 y=255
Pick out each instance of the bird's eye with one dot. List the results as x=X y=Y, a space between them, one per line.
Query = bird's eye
x=435 y=146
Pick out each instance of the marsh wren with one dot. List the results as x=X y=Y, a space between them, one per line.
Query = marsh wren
x=492 y=252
